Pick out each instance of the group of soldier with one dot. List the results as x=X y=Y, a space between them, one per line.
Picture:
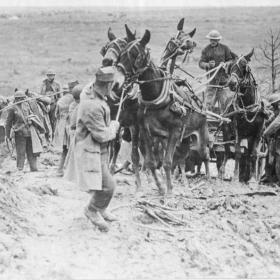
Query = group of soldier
x=77 y=120
x=80 y=132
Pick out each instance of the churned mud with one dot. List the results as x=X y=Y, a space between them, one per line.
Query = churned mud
x=215 y=229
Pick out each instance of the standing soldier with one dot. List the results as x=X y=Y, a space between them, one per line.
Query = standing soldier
x=88 y=164
x=50 y=86
x=26 y=128
x=67 y=130
x=211 y=56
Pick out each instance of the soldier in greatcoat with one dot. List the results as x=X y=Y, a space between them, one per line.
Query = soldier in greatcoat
x=88 y=162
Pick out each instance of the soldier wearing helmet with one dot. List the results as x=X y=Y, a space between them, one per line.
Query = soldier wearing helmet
x=50 y=86
x=25 y=126
x=212 y=55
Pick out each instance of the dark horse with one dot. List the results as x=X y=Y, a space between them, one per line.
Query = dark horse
x=155 y=114
x=248 y=117
x=111 y=52
x=128 y=117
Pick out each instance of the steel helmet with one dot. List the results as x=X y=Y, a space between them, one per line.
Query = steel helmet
x=214 y=34
x=50 y=72
x=19 y=94
x=76 y=91
x=65 y=88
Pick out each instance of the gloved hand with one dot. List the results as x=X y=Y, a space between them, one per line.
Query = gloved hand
x=115 y=125
x=211 y=64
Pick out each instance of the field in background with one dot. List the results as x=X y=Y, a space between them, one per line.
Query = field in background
x=69 y=40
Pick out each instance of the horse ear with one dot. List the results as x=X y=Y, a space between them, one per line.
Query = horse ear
x=180 y=24
x=191 y=34
x=249 y=55
x=130 y=36
x=111 y=35
x=146 y=38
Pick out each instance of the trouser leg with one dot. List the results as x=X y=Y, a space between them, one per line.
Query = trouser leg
x=101 y=199
x=52 y=117
x=62 y=159
x=20 y=142
x=32 y=158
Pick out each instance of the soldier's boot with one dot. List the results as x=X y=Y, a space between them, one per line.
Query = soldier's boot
x=108 y=216
x=96 y=219
x=33 y=164
x=59 y=171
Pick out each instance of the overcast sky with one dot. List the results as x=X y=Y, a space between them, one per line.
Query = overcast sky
x=136 y=3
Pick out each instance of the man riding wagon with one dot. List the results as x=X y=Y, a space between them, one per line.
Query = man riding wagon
x=212 y=55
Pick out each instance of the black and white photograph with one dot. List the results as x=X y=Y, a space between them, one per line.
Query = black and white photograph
x=139 y=139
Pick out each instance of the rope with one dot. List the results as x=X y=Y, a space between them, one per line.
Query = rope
x=120 y=104
x=216 y=69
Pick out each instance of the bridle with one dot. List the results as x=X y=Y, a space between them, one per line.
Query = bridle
x=115 y=46
x=133 y=69
x=243 y=80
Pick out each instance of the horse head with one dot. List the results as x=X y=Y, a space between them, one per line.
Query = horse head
x=113 y=48
x=177 y=46
x=133 y=61
x=239 y=72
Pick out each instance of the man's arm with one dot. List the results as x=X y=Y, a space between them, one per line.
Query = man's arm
x=93 y=119
x=203 y=62
x=229 y=55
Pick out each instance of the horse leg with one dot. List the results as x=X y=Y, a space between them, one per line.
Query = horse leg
x=134 y=131
x=204 y=149
x=167 y=162
x=225 y=155
x=237 y=153
x=150 y=161
x=184 y=178
x=253 y=161
x=114 y=152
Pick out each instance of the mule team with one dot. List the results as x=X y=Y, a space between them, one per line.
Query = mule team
x=158 y=110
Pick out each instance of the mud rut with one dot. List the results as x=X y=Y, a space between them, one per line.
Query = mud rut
x=44 y=234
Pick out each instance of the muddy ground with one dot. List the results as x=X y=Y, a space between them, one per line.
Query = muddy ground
x=44 y=234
